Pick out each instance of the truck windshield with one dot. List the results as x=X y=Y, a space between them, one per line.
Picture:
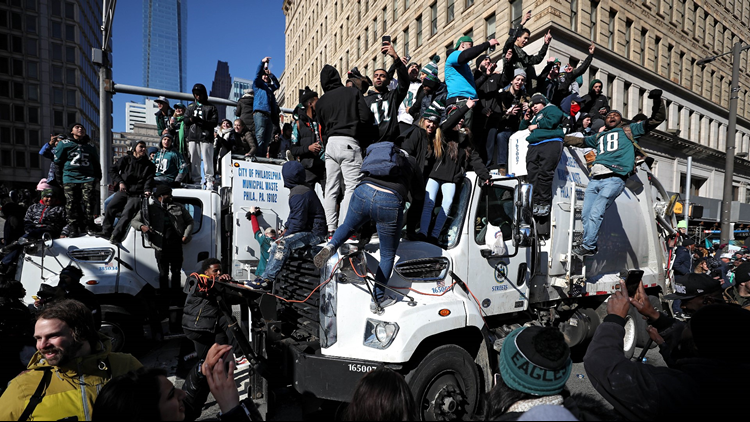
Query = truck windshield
x=452 y=230
x=495 y=210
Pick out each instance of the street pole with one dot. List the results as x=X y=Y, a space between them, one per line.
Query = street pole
x=688 y=183
x=726 y=199
x=101 y=58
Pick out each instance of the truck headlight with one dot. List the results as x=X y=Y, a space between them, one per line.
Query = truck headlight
x=379 y=334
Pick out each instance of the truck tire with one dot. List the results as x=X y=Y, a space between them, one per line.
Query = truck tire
x=642 y=324
x=445 y=385
x=122 y=330
x=631 y=333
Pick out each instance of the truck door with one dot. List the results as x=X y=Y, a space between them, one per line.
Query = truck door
x=202 y=244
x=493 y=279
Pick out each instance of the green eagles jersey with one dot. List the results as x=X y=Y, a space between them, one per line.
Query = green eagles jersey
x=80 y=162
x=613 y=148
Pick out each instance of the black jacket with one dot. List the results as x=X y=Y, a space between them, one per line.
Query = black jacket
x=423 y=100
x=560 y=89
x=306 y=213
x=309 y=132
x=592 y=103
x=244 y=111
x=341 y=111
x=447 y=169
x=162 y=120
x=136 y=173
x=200 y=122
x=700 y=388
x=384 y=106
x=201 y=312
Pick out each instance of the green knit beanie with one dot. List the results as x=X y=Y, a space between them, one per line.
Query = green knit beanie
x=465 y=38
x=435 y=111
x=535 y=360
x=431 y=70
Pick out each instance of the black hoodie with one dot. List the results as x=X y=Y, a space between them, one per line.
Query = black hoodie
x=201 y=118
x=341 y=111
x=136 y=173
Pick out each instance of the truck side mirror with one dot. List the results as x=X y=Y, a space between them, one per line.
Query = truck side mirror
x=523 y=195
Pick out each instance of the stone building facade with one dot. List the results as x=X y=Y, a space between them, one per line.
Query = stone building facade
x=641 y=45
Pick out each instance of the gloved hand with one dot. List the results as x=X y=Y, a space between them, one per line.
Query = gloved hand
x=655 y=94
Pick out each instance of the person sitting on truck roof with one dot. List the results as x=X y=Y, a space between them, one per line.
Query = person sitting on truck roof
x=454 y=153
x=717 y=374
x=264 y=237
x=171 y=168
x=615 y=161
x=306 y=225
x=134 y=177
x=307 y=138
x=167 y=227
x=72 y=364
x=147 y=394
x=45 y=217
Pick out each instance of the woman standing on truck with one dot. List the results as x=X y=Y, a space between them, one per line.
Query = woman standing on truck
x=453 y=151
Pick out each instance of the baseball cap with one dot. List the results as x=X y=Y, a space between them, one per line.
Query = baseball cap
x=726 y=255
x=692 y=285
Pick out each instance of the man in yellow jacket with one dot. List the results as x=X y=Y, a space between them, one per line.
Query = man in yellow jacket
x=71 y=365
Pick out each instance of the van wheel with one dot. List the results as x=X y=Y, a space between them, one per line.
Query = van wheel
x=121 y=332
x=445 y=385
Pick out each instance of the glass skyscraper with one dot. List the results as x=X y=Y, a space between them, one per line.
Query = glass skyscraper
x=164 y=41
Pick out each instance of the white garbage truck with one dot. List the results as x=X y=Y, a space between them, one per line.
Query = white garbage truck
x=495 y=268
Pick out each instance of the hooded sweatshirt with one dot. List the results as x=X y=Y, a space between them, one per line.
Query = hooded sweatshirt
x=201 y=118
x=592 y=102
x=77 y=161
x=136 y=173
x=306 y=213
x=341 y=111
x=244 y=111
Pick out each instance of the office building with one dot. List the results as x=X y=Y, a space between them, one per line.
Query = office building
x=239 y=85
x=47 y=80
x=641 y=45
x=140 y=113
x=221 y=86
x=165 y=44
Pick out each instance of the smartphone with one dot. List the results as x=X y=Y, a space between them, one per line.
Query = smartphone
x=386 y=39
x=407 y=58
x=632 y=281
x=492 y=47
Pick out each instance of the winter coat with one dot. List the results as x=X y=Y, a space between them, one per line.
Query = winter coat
x=201 y=312
x=341 y=111
x=384 y=107
x=180 y=218
x=549 y=123
x=244 y=111
x=77 y=161
x=521 y=59
x=162 y=120
x=65 y=397
x=306 y=132
x=647 y=392
x=136 y=173
x=14 y=224
x=561 y=86
x=423 y=100
x=683 y=261
x=243 y=142
x=170 y=165
x=200 y=121
x=177 y=130
x=592 y=102
x=306 y=213
x=40 y=216
x=447 y=169
x=265 y=100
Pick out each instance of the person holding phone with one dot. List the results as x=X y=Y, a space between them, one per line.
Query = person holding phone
x=503 y=113
x=265 y=106
x=384 y=104
x=307 y=138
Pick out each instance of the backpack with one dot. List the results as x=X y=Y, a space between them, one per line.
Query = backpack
x=383 y=159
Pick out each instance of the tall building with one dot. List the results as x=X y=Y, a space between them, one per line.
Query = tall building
x=165 y=44
x=47 y=79
x=236 y=92
x=641 y=45
x=221 y=86
x=121 y=141
x=140 y=113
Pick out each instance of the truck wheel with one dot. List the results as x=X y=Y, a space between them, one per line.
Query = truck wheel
x=445 y=385
x=631 y=333
x=122 y=332
x=642 y=324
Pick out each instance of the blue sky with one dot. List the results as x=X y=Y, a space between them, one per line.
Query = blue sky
x=240 y=32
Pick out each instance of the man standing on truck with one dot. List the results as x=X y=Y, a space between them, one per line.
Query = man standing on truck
x=383 y=103
x=71 y=365
x=200 y=120
x=306 y=225
x=167 y=227
x=265 y=108
x=615 y=161
x=307 y=139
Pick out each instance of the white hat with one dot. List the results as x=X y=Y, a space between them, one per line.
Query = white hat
x=726 y=255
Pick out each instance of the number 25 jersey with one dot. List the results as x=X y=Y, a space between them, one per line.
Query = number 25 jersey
x=79 y=160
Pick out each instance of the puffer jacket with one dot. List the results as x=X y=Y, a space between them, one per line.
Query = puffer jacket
x=181 y=220
x=244 y=111
x=64 y=397
x=201 y=312
x=40 y=216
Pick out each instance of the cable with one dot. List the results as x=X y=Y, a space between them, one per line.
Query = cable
x=333 y=272
x=402 y=288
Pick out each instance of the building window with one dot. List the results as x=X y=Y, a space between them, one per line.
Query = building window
x=34 y=161
x=34 y=139
x=367 y=38
x=406 y=42
x=419 y=31
x=612 y=30
x=57 y=74
x=516 y=12
x=469 y=3
x=574 y=15
x=594 y=11
x=407 y=3
x=489 y=27
x=385 y=20
x=18 y=90
x=70 y=10
x=21 y=158
x=70 y=54
x=628 y=36
x=395 y=11
x=33 y=113
x=375 y=31
x=57 y=96
x=70 y=76
x=657 y=54
x=434 y=18
x=19 y=114
x=58 y=117
x=359 y=44
x=644 y=40
x=5 y=158
x=670 y=50
x=32 y=70
x=56 y=30
x=70 y=98
x=33 y=92
x=31 y=24
x=70 y=33
x=20 y=136
x=450 y=11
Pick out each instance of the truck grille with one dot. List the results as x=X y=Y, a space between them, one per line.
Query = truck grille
x=297 y=279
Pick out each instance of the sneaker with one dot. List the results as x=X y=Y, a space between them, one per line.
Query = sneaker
x=259 y=284
x=581 y=251
x=322 y=257
x=241 y=362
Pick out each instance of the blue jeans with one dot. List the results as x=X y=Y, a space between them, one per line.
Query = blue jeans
x=497 y=143
x=263 y=132
x=600 y=194
x=448 y=190
x=387 y=211
x=281 y=249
